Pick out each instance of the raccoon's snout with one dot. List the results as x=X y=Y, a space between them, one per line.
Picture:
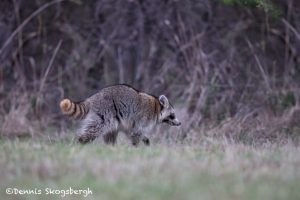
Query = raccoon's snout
x=176 y=123
x=172 y=122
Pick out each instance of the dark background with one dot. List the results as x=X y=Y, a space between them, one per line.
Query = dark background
x=230 y=67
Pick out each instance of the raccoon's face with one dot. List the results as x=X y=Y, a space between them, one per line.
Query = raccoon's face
x=167 y=114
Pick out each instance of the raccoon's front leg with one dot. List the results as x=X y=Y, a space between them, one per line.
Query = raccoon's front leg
x=136 y=137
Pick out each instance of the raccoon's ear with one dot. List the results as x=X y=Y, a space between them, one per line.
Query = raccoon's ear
x=163 y=100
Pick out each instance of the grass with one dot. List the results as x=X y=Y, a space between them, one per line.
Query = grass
x=210 y=170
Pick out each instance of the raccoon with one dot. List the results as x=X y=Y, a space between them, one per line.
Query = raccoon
x=119 y=108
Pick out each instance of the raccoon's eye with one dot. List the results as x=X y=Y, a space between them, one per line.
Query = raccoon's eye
x=172 y=116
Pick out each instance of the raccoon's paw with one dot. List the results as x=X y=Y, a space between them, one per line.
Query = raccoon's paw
x=86 y=138
x=146 y=141
x=82 y=140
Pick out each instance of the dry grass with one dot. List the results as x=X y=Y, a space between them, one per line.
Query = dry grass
x=211 y=170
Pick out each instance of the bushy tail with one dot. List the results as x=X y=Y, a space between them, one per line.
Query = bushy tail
x=74 y=110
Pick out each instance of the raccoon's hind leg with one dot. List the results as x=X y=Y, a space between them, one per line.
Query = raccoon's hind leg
x=99 y=125
x=90 y=129
x=90 y=133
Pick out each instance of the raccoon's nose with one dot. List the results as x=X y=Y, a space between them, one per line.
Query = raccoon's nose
x=177 y=123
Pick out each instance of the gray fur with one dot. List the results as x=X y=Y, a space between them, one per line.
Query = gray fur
x=122 y=108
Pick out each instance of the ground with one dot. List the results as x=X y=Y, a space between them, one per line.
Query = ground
x=208 y=170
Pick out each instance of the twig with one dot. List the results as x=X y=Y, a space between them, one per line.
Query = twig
x=49 y=66
x=264 y=75
x=297 y=34
x=27 y=20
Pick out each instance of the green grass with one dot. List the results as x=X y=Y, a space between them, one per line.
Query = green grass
x=210 y=170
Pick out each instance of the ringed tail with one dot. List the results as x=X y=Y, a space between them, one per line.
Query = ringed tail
x=74 y=110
